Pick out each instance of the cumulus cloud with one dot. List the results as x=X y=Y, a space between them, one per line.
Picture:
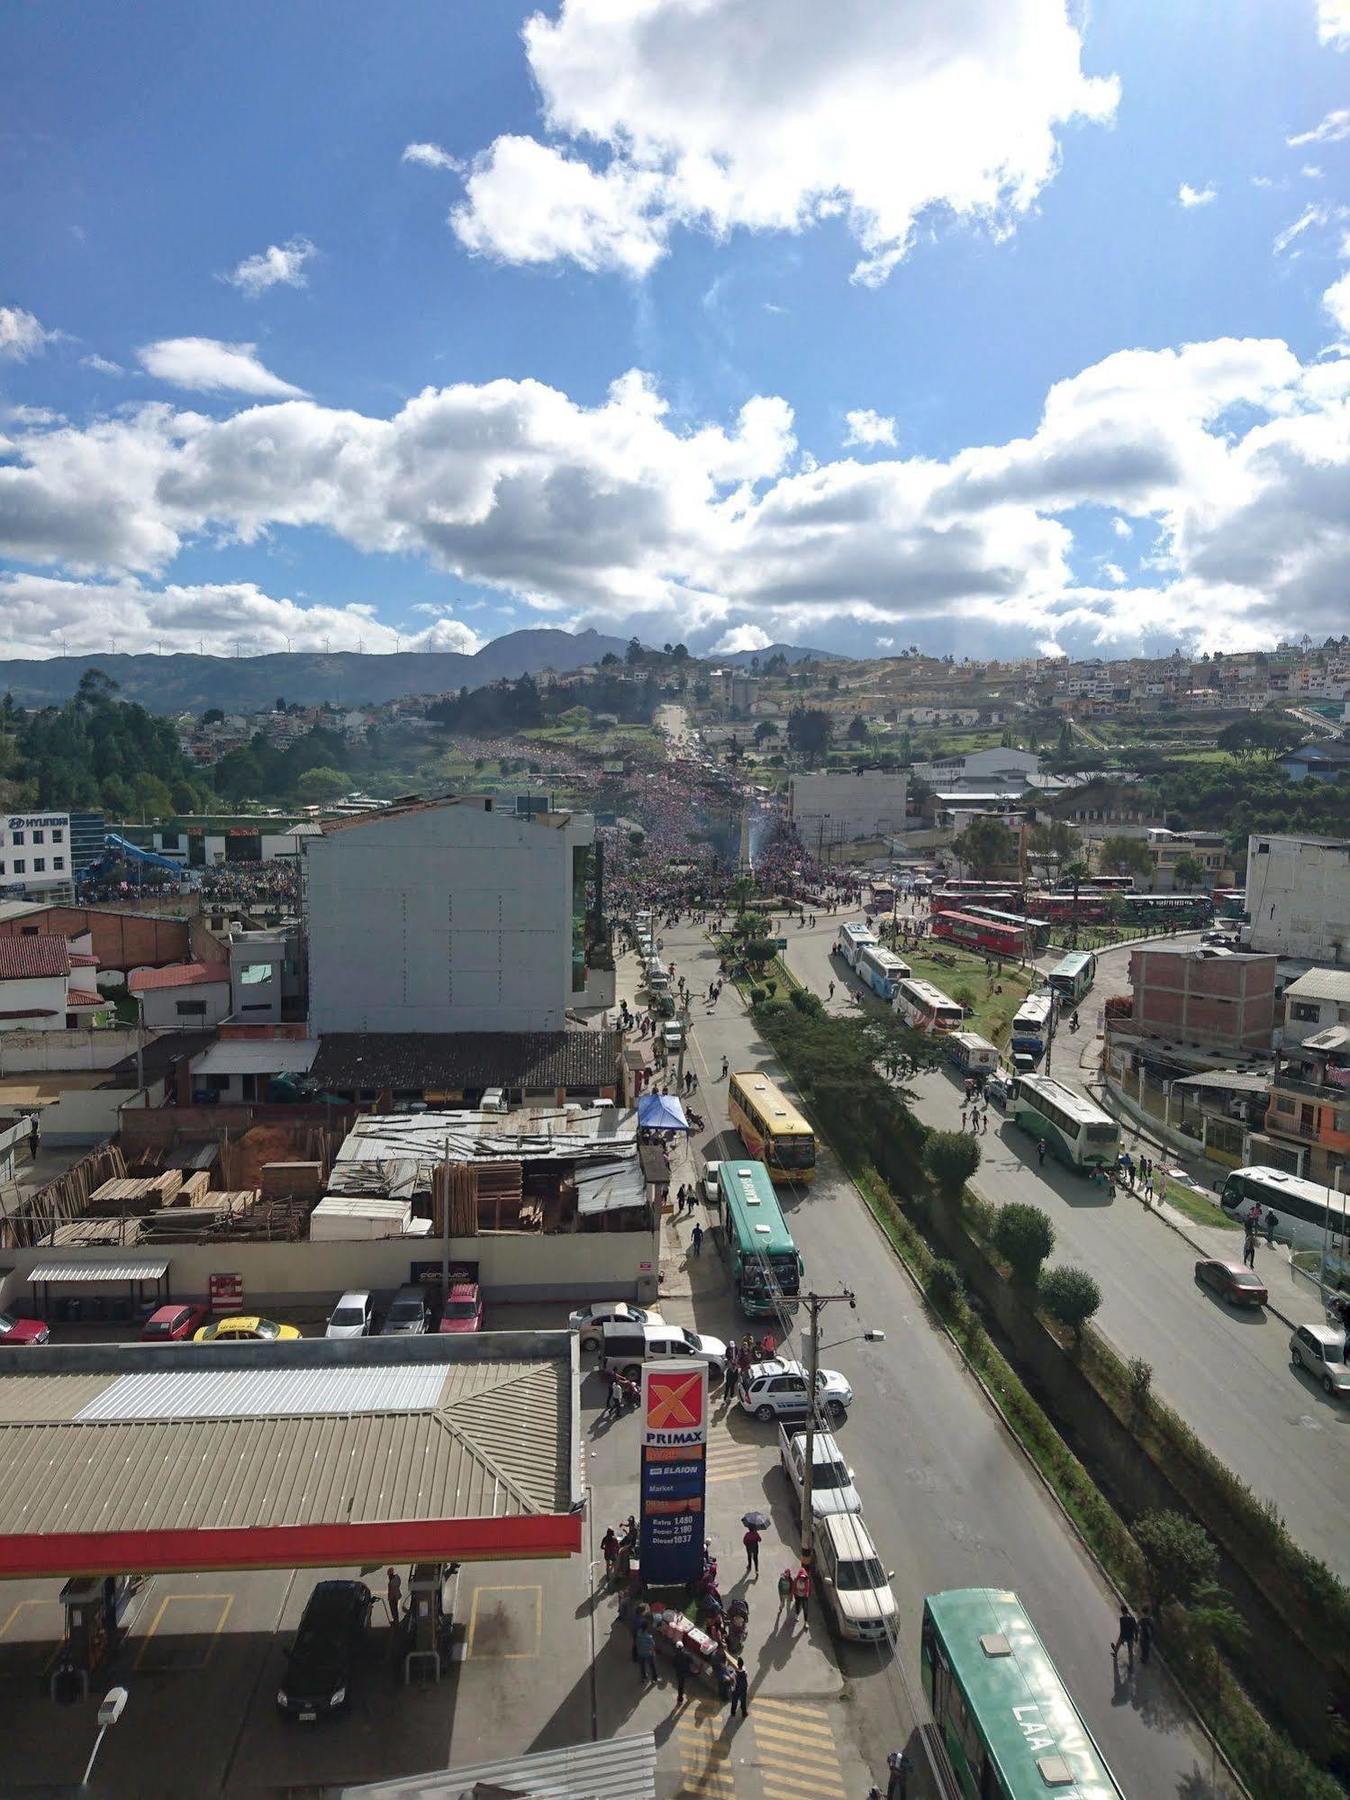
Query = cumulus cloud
x=742 y=637
x=1188 y=196
x=1333 y=23
x=1330 y=130
x=1114 y=574
x=868 y=428
x=1121 y=527
x=21 y=335
x=721 y=116
x=279 y=265
x=209 y=367
x=1337 y=302
x=431 y=156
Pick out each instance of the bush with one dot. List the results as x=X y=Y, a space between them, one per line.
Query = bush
x=1070 y=1295
x=1141 y=1382
x=1023 y=1237
x=1181 y=1557
x=951 y=1158
x=965 y=998
x=944 y=1283
x=807 y=1002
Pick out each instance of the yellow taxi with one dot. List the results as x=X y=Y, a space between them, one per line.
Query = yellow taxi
x=244 y=1329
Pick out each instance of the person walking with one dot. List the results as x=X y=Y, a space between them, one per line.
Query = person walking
x=831 y=990
x=645 y=1646
x=898 y=1771
x=1145 y=1635
x=801 y=1592
x=34 y=1137
x=963 y=1118
x=751 y=1540
x=725 y=1066
x=1271 y=1222
x=1125 y=1635
x=1249 y=1246
x=393 y=1595
x=740 y=1689
x=696 y=1239
x=683 y=1664
x=609 y=1549
x=784 y=1595
x=1040 y=1152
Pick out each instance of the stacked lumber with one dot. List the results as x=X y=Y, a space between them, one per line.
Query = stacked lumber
x=86 y=1234
x=135 y=1195
x=192 y=1188
x=500 y=1195
x=291 y=1180
x=455 y=1185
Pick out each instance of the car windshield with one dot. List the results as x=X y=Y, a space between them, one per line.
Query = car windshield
x=405 y=1311
x=348 y=1315
x=830 y=1475
x=267 y=1328
x=860 y=1574
x=1332 y=1351
x=460 y=1309
x=694 y=1342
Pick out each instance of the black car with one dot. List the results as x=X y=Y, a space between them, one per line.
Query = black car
x=319 y=1663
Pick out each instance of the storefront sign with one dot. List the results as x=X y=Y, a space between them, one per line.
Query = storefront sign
x=674 y=1470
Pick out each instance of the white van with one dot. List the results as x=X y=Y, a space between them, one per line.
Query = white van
x=855 y=1587
x=626 y=1346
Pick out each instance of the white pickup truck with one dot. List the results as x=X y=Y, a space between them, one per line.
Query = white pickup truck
x=832 y=1489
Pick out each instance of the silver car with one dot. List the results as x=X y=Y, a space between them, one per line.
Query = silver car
x=1320 y=1349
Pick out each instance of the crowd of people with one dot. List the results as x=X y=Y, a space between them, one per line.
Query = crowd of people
x=275 y=883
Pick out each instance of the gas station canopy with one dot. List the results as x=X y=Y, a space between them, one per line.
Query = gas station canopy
x=140 y=1459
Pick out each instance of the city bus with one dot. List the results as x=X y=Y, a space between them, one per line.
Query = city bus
x=1177 y=910
x=1230 y=903
x=1063 y=909
x=985 y=936
x=761 y=1257
x=1308 y=1216
x=1008 y=1723
x=1074 y=1127
x=988 y=893
x=1033 y=930
x=1108 y=884
x=881 y=969
x=1072 y=976
x=771 y=1127
x=851 y=937
x=926 y=1007
x=1032 y=1024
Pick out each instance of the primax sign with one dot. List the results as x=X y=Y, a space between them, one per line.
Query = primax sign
x=674 y=1470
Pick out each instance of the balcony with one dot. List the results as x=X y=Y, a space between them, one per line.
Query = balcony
x=1281 y=1125
x=1310 y=1090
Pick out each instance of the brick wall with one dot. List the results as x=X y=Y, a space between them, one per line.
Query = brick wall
x=1226 y=1002
x=122 y=940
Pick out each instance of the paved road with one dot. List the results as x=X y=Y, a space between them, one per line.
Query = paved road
x=950 y=1500
x=1226 y=1372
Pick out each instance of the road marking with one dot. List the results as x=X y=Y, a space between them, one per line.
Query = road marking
x=705 y=1757
x=798 y=1758
x=175 y=1658
x=524 y=1587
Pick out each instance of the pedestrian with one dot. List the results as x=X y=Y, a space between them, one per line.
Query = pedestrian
x=1271 y=1222
x=963 y=1118
x=740 y=1689
x=1125 y=1635
x=683 y=1666
x=34 y=1138
x=1145 y=1635
x=1040 y=1152
x=801 y=1592
x=831 y=990
x=767 y=1347
x=751 y=1542
x=725 y=1066
x=696 y=1239
x=733 y=1362
x=784 y=1594
x=1249 y=1250
x=609 y=1549
x=393 y=1595
x=645 y=1646
x=898 y=1771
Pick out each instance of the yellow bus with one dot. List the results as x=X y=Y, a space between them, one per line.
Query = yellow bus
x=771 y=1127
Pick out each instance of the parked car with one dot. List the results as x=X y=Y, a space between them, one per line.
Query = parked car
x=408 y=1314
x=672 y=1036
x=832 y=1489
x=627 y=1347
x=777 y=1389
x=320 y=1662
x=352 y=1317
x=587 y=1321
x=1320 y=1349
x=172 y=1323
x=998 y=1088
x=16 y=1331
x=244 y=1329
x=1233 y=1282
x=855 y=1587
x=463 y=1309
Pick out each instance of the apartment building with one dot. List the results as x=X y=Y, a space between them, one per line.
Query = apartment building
x=1298 y=897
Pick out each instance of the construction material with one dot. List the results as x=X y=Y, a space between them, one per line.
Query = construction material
x=291 y=1180
x=340 y=1218
x=193 y=1187
x=130 y=1195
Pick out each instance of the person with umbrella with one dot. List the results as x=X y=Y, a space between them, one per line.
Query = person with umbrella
x=755 y=1523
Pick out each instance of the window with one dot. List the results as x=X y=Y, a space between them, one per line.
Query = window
x=1300 y=1009
x=18 y=837
x=58 y=836
x=39 y=837
x=39 y=865
x=192 y=1009
x=58 y=862
x=21 y=867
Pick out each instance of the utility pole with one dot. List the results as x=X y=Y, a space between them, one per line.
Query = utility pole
x=815 y=1303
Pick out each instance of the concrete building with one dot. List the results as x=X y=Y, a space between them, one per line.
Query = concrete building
x=1309 y=1110
x=44 y=985
x=1314 y=1003
x=844 y=804
x=984 y=769
x=1298 y=897
x=35 y=855
x=184 y=997
x=1325 y=761
x=450 y=916
x=1225 y=1003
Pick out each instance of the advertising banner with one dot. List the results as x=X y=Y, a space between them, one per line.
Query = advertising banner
x=674 y=1470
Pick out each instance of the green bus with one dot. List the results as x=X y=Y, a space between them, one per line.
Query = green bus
x=765 y=1267
x=1072 y=976
x=1074 y=1127
x=1007 y=1722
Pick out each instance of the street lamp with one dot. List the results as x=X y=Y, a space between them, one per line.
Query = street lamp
x=110 y=1710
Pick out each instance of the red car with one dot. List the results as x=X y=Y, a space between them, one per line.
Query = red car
x=1233 y=1282
x=463 y=1309
x=172 y=1323
x=22 y=1331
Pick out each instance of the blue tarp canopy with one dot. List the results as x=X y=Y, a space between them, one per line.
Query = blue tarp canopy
x=661 y=1112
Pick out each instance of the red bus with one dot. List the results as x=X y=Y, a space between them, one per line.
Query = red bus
x=1061 y=909
x=988 y=893
x=1034 y=931
x=983 y=935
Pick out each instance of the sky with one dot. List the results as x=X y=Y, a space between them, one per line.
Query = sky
x=999 y=327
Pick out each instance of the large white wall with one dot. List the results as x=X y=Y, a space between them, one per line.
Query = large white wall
x=43 y=994
x=1298 y=897
x=845 y=804
x=448 y=918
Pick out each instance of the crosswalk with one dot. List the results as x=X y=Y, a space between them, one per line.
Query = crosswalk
x=705 y=1755
x=793 y=1753
x=732 y=1460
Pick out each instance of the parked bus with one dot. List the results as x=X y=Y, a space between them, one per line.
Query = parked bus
x=1230 y=903
x=881 y=969
x=985 y=936
x=1009 y=1724
x=771 y=1127
x=1072 y=976
x=1063 y=909
x=972 y=1054
x=1076 y=1129
x=926 y=1007
x=1177 y=910
x=1307 y=1215
x=989 y=893
x=1032 y=930
x=761 y=1256
x=1109 y=884
x=882 y=897
x=1032 y=1024
x=851 y=937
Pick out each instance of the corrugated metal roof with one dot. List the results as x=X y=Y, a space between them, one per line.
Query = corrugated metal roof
x=258 y=1056
x=265 y=1393
x=132 y=1268
x=609 y=1187
x=611 y=1769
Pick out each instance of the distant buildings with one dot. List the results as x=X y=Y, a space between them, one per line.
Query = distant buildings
x=1326 y=761
x=1298 y=897
x=1314 y=1003
x=845 y=804
x=35 y=855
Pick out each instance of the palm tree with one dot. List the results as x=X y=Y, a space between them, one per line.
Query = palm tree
x=1075 y=873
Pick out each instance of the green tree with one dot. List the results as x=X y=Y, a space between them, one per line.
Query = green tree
x=758 y=951
x=1023 y=1237
x=185 y=797
x=317 y=785
x=1125 y=856
x=1188 y=871
x=1180 y=1555
x=153 y=797
x=985 y=845
x=633 y=653
x=897 y=1046
x=764 y=731
x=1070 y=1295
x=951 y=1158
x=213 y=716
x=1051 y=845
x=857 y=729
x=1259 y=736
x=809 y=731
x=118 y=800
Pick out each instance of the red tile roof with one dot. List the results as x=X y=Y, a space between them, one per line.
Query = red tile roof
x=33 y=958
x=76 y=998
x=191 y=974
x=80 y=959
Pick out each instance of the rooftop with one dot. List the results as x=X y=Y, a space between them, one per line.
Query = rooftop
x=33 y=958
x=449 y=1062
x=190 y=974
x=1320 y=984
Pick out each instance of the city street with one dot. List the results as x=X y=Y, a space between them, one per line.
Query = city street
x=950 y=1500
x=1227 y=1372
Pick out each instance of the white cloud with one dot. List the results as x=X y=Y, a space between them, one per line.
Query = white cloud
x=1333 y=23
x=885 y=643
x=1188 y=196
x=720 y=115
x=1262 y=181
x=1336 y=300
x=101 y=365
x=1315 y=214
x=1121 y=527
x=868 y=428
x=279 y=265
x=21 y=336
x=431 y=156
x=742 y=637
x=209 y=367
x=1330 y=130
x=1312 y=171
x=32 y=416
x=1114 y=574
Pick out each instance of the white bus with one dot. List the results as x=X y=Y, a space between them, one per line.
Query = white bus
x=1307 y=1215
x=1032 y=1024
x=851 y=937
x=882 y=970
x=1078 y=1131
x=926 y=1007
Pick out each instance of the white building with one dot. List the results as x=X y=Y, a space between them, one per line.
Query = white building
x=1298 y=897
x=36 y=988
x=845 y=804
x=182 y=997
x=447 y=916
x=995 y=768
x=35 y=854
x=1314 y=1003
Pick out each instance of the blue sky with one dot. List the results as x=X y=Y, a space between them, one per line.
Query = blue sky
x=1085 y=413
